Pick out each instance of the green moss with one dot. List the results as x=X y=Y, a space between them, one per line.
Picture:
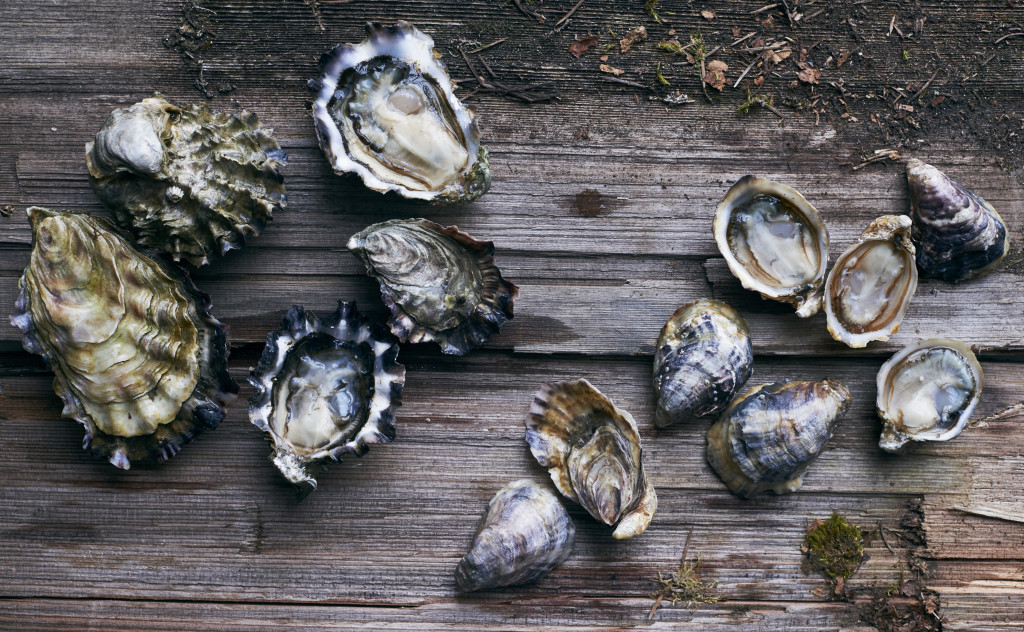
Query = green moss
x=660 y=77
x=835 y=546
x=651 y=8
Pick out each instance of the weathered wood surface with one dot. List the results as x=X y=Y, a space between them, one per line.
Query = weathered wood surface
x=213 y=540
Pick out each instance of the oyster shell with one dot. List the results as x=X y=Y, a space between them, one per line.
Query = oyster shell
x=137 y=358
x=440 y=284
x=870 y=287
x=325 y=387
x=592 y=451
x=525 y=532
x=189 y=182
x=774 y=242
x=927 y=392
x=385 y=109
x=704 y=356
x=768 y=437
x=957 y=233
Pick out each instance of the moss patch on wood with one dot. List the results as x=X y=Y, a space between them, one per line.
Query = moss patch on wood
x=836 y=548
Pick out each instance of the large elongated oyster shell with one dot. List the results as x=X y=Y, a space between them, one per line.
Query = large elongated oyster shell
x=325 y=387
x=592 y=451
x=385 y=109
x=704 y=356
x=137 y=358
x=768 y=437
x=524 y=533
x=189 y=182
x=440 y=284
x=958 y=234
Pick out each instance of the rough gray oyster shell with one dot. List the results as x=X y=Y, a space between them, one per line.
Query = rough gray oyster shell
x=189 y=182
x=137 y=358
x=525 y=532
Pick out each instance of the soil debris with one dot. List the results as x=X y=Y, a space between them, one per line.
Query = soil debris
x=190 y=40
x=685 y=585
x=715 y=76
x=579 y=47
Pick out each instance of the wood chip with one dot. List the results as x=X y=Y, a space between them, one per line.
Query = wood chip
x=708 y=15
x=579 y=47
x=715 y=76
x=636 y=35
x=612 y=70
x=809 y=74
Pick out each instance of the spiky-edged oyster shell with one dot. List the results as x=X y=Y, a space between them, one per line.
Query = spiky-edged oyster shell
x=525 y=532
x=704 y=356
x=189 y=182
x=592 y=451
x=870 y=287
x=440 y=284
x=774 y=242
x=957 y=233
x=325 y=387
x=386 y=110
x=927 y=391
x=768 y=437
x=137 y=358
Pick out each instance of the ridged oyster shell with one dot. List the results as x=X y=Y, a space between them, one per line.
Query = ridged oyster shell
x=768 y=437
x=189 y=182
x=870 y=287
x=440 y=284
x=385 y=109
x=592 y=451
x=325 y=387
x=525 y=532
x=927 y=391
x=704 y=356
x=137 y=358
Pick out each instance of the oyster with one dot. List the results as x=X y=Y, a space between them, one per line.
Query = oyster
x=137 y=358
x=325 y=387
x=592 y=451
x=385 y=109
x=958 y=234
x=870 y=287
x=927 y=392
x=189 y=182
x=774 y=242
x=768 y=437
x=440 y=284
x=704 y=356
x=524 y=533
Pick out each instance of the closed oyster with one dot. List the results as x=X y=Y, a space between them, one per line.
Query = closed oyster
x=524 y=533
x=870 y=287
x=592 y=451
x=325 y=387
x=189 y=182
x=440 y=284
x=385 y=109
x=958 y=234
x=774 y=242
x=927 y=392
x=137 y=358
x=768 y=437
x=704 y=356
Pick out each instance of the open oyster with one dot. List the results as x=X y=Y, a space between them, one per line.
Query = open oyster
x=440 y=284
x=774 y=242
x=870 y=287
x=325 y=387
x=592 y=451
x=189 y=182
x=704 y=356
x=958 y=234
x=137 y=358
x=385 y=109
x=768 y=437
x=524 y=533
x=927 y=392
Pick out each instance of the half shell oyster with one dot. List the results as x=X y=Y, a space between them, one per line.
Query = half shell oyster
x=385 y=109
x=525 y=532
x=440 y=284
x=137 y=358
x=189 y=182
x=592 y=451
x=325 y=387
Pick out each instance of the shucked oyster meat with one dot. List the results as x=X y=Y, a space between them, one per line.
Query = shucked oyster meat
x=385 y=109
x=137 y=358
x=189 y=182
